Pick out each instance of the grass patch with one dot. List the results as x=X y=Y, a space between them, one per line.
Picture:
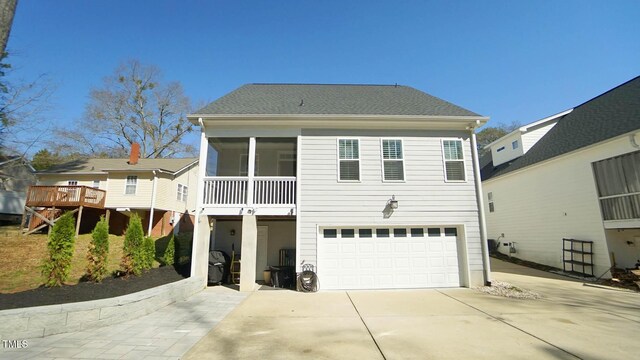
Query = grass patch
x=21 y=257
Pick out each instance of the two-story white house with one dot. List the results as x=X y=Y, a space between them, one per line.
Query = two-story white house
x=572 y=199
x=160 y=191
x=375 y=186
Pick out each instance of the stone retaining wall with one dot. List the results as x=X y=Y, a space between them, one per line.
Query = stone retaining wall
x=41 y=321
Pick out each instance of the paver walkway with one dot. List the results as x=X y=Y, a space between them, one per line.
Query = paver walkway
x=165 y=334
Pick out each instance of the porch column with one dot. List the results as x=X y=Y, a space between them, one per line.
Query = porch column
x=201 y=230
x=200 y=250
x=248 y=252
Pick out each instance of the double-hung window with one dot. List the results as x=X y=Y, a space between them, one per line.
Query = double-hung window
x=182 y=192
x=130 y=186
x=392 y=160
x=348 y=160
x=453 y=160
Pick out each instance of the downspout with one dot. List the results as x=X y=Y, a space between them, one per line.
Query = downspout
x=153 y=201
x=481 y=216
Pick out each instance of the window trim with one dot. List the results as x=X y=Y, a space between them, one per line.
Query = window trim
x=338 y=160
x=444 y=161
x=382 y=160
x=135 y=185
x=515 y=144
x=181 y=196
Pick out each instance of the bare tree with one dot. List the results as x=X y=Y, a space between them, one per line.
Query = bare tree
x=23 y=109
x=132 y=105
x=7 y=11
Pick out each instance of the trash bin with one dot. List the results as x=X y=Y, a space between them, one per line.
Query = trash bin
x=219 y=263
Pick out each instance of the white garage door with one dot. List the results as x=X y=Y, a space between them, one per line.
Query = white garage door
x=388 y=258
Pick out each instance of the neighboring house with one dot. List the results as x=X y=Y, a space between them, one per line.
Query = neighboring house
x=580 y=181
x=16 y=174
x=372 y=185
x=161 y=191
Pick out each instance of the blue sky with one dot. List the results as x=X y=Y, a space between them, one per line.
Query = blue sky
x=509 y=60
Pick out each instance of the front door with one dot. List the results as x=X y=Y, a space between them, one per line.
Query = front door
x=261 y=256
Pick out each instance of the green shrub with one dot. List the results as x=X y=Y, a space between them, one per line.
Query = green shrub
x=133 y=247
x=61 y=242
x=97 y=256
x=148 y=253
x=169 y=256
x=184 y=243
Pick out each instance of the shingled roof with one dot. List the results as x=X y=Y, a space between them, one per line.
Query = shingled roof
x=104 y=165
x=325 y=99
x=614 y=113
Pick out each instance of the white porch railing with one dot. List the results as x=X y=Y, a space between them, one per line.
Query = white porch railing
x=225 y=190
x=221 y=191
x=274 y=191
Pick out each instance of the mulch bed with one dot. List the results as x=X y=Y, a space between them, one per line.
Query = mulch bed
x=85 y=291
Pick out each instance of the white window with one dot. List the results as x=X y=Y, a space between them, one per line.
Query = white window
x=130 y=187
x=453 y=160
x=392 y=160
x=96 y=184
x=182 y=192
x=348 y=160
x=514 y=144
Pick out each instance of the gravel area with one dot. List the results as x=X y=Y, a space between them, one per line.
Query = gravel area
x=500 y=288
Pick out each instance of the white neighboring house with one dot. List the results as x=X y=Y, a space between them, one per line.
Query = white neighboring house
x=375 y=186
x=16 y=174
x=580 y=181
x=160 y=191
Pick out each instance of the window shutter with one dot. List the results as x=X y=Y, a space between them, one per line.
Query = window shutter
x=393 y=170
x=455 y=170
x=349 y=170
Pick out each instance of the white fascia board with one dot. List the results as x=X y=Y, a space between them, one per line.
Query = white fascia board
x=525 y=128
x=348 y=121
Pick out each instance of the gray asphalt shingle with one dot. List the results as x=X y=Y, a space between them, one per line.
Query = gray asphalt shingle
x=326 y=99
x=613 y=113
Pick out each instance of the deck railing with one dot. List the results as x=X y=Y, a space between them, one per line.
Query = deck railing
x=65 y=196
x=234 y=191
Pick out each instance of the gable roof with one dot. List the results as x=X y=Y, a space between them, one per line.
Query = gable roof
x=102 y=166
x=328 y=99
x=613 y=113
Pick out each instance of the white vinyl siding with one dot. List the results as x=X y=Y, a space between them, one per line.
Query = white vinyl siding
x=348 y=160
x=131 y=185
x=564 y=205
x=423 y=195
x=453 y=160
x=392 y=160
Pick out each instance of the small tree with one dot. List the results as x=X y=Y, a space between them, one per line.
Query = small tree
x=169 y=256
x=98 y=253
x=149 y=252
x=132 y=254
x=61 y=243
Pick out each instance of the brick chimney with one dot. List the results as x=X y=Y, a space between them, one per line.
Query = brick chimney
x=135 y=154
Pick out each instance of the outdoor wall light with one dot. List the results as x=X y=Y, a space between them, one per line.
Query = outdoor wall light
x=393 y=203
x=232 y=232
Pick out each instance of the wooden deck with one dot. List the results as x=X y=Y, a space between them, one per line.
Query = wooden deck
x=65 y=196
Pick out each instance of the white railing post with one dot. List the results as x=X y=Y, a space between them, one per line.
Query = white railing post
x=251 y=170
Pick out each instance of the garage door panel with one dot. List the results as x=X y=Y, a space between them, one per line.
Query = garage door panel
x=388 y=262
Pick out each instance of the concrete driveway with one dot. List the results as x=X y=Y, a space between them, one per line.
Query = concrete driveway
x=570 y=321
